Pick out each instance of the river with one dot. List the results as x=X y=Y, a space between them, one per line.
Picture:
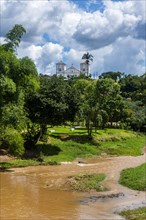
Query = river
x=38 y=193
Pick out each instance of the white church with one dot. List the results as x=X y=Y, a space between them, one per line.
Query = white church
x=61 y=69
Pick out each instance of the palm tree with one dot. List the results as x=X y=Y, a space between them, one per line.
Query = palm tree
x=88 y=57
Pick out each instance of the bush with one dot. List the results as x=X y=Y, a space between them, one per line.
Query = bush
x=14 y=142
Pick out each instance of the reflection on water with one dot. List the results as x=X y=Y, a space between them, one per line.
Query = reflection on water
x=29 y=193
x=20 y=198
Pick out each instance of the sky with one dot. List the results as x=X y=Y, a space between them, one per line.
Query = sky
x=113 y=31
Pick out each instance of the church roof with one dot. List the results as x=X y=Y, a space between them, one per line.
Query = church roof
x=72 y=68
x=61 y=63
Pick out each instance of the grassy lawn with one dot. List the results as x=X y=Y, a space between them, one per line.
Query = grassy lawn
x=134 y=178
x=67 y=145
x=137 y=214
x=86 y=182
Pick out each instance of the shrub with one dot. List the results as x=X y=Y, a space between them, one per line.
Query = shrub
x=14 y=142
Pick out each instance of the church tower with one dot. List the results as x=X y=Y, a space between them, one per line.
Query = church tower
x=60 y=68
x=84 y=68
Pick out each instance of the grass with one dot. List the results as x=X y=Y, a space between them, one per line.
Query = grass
x=70 y=150
x=18 y=163
x=110 y=141
x=67 y=145
x=24 y=163
x=130 y=146
x=86 y=182
x=137 y=214
x=134 y=178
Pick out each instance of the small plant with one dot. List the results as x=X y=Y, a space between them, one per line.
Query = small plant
x=86 y=182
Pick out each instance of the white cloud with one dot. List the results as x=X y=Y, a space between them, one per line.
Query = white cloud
x=100 y=29
x=119 y=29
x=43 y=56
x=126 y=56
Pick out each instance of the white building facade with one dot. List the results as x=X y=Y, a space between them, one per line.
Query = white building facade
x=84 y=68
x=61 y=69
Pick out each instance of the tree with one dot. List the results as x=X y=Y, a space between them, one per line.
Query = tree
x=86 y=112
x=13 y=38
x=116 y=76
x=79 y=89
x=131 y=86
x=18 y=81
x=135 y=115
x=48 y=106
x=87 y=57
x=107 y=95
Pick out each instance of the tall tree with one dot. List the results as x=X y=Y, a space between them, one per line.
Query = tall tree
x=116 y=76
x=107 y=95
x=18 y=81
x=48 y=106
x=13 y=37
x=87 y=57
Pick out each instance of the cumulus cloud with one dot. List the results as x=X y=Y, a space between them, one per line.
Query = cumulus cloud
x=57 y=19
x=44 y=56
x=131 y=60
x=119 y=19
x=119 y=28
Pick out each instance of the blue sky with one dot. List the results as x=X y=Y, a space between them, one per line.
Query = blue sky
x=113 y=31
x=90 y=6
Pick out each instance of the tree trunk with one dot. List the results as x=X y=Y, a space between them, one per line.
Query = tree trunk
x=90 y=130
x=43 y=129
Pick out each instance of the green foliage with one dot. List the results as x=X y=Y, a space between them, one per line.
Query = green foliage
x=25 y=163
x=7 y=92
x=18 y=163
x=7 y=86
x=18 y=81
x=136 y=214
x=134 y=178
x=113 y=75
x=109 y=99
x=13 y=141
x=67 y=145
x=134 y=115
x=75 y=144
x=48 y=105
x=86 y=182
x=87 y=57
x=29 y=103
x=133 y=87
x=14 y=115
x=28 y=76
x=13 y=37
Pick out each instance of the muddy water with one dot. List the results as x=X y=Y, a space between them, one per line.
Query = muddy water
x=38 y=193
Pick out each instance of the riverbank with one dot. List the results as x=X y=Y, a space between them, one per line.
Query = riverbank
x=43 y=181
x=66 y=145
x=136 y=214
x=79 y=157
